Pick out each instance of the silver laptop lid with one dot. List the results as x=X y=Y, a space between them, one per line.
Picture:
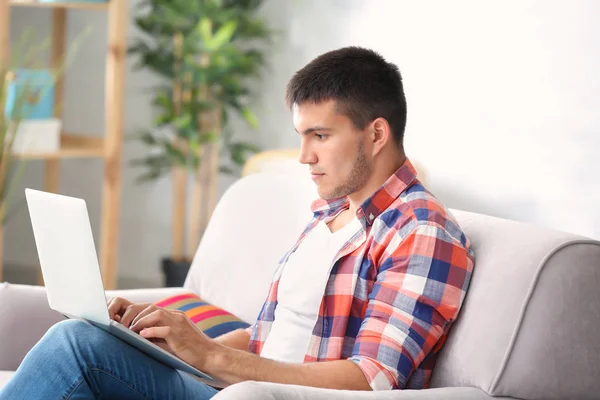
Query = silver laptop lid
x=67 y=255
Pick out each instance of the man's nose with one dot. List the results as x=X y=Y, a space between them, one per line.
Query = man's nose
x=306 y=156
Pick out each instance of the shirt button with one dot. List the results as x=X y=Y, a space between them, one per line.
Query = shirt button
x=371 y=216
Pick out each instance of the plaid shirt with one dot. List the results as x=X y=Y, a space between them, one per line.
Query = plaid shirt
x=394 y=289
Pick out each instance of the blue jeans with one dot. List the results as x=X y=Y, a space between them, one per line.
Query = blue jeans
x=76 y=360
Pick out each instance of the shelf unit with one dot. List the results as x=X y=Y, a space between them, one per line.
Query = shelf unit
x=72 y=145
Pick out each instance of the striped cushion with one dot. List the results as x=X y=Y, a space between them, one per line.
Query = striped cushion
x=212 y=320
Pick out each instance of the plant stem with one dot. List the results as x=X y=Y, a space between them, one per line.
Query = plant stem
x=178 y=171
x=199 y=198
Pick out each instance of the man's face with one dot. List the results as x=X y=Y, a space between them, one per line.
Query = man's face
x=332 y=148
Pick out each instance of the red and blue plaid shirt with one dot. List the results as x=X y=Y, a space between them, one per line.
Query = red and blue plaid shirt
x=394 y=289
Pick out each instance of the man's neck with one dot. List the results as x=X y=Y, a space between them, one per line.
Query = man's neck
x=380 y=176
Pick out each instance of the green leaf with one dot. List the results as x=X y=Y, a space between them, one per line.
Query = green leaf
x=183 y=121
x=209 y=137
x=147 y=138
x=239 y=152
x=156 y=165
x=223 y=36
x=204 y=28
x=250 y=117
x=226 y=170
x=149 y=176
x=175 y=155
x=194 y=144
x=187 y=133
x=196 y=107
x=163 y=99
x=163 y=119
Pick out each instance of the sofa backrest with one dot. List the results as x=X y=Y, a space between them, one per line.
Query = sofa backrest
x=529 y=324
x=257 y=220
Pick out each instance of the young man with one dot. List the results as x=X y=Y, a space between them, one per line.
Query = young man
x=373 y=319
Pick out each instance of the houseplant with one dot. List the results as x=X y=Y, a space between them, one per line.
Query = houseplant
x=205 y=52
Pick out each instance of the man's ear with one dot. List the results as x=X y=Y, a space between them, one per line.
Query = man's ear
x=381 y=134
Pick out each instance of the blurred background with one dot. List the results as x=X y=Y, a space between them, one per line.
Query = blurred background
x=503 y=101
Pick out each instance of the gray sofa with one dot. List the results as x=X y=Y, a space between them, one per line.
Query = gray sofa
x=529 y=327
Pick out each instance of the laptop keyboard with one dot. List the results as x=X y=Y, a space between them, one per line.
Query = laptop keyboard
x=122 y=328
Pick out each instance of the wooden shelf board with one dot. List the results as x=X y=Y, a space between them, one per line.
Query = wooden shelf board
x=57 y=4
x=72 y=146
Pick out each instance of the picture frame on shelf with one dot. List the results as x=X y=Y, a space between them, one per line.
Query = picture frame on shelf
x=34 y=90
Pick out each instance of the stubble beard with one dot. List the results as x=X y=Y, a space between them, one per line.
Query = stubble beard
x=358 y=177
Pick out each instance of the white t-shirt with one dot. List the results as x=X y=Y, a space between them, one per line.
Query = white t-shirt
x=301 y=288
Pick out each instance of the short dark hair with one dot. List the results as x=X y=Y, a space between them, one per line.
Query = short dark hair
x=364 y=85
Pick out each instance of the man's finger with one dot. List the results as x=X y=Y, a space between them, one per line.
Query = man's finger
x=130 y=313
x=116 y=306
x=156 y=332
x=146 y=311
x=109 y=304
x=150 y=320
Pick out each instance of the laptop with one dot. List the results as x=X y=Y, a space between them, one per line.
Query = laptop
x=72 y=276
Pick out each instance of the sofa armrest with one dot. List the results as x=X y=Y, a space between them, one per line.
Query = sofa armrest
x=272 y=391
x=25 y=316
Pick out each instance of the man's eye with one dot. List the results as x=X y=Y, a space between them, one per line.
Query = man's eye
x=320 y=137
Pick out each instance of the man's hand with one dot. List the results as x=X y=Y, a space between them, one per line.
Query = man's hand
x=124 y=311
x=178 y=332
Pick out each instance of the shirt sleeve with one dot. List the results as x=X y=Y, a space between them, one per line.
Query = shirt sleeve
x=420 y=284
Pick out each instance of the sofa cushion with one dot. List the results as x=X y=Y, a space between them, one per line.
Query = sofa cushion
x=251 y=390
x=212 y=320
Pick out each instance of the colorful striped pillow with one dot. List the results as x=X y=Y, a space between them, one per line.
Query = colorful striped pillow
x=212 y=320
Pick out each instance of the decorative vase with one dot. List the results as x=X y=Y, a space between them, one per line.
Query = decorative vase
x=175 y=272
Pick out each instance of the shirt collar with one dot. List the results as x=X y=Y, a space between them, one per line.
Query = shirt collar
x=379 y=201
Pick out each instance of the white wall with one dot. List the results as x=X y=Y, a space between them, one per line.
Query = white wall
x=503 y=102
x=503 y=97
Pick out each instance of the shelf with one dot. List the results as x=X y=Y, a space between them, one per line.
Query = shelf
x=72 y=146
x=105 y=148
x=61 y=5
